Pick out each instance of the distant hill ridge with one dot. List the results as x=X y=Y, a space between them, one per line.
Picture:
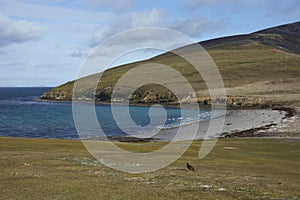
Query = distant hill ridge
x=271 y=54
x=284 y=37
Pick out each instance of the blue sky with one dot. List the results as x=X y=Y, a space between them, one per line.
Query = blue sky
x=44 y=42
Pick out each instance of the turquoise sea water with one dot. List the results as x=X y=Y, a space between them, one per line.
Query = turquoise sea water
x=23 y=116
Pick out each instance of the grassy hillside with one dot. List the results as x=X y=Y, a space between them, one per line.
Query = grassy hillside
x=269 y=55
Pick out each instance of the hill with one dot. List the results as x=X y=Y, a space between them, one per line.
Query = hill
x=257 y=68
x=284 y=37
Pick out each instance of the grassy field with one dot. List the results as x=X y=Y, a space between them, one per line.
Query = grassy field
x=235 y=169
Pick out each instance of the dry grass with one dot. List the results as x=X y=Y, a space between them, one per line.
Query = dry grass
x=235 y=169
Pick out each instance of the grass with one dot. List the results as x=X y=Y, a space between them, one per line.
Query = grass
x=277 y=92
x=235 y=169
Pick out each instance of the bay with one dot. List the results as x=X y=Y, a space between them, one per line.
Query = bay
x=22 y=115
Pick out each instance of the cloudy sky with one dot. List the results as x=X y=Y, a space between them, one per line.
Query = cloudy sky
x=44 y=42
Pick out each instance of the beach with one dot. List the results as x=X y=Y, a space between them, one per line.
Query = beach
x=238 y=123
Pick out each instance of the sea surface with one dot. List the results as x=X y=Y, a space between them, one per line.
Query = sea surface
x=21 y=115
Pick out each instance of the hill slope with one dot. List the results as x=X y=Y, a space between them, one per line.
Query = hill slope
x=284 y=37
x=262 y=58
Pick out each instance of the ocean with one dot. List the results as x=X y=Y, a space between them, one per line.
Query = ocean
x=21 y=115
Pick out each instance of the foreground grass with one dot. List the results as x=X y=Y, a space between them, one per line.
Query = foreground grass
x=235 y=169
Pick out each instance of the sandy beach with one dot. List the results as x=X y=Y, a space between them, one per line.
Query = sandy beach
x=238 y=123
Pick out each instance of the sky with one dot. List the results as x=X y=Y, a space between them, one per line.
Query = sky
x=44 y=42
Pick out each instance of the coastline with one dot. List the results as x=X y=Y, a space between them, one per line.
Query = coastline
x=238 y=123
x=168 y=105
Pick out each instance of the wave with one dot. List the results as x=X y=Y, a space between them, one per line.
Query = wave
x=178 y=122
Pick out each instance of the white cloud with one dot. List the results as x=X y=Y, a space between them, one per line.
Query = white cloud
x=81 y=53
x=154 y=17
x=195 y=27
x=151 y=18
x=18 y=31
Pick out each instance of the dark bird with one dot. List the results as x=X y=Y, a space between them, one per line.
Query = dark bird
x=190 y=167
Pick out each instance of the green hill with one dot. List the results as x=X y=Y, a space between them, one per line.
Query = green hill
x=255 y=67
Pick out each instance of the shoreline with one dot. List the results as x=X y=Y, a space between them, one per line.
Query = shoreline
x=256 y=132
x=167 y=105
x=238 y=124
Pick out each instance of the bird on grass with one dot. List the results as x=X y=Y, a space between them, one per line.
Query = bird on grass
x=190 y=167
